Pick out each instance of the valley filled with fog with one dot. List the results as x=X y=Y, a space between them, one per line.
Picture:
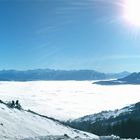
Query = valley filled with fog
x=66 y=100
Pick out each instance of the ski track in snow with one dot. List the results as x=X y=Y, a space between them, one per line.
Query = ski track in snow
x=69 y=99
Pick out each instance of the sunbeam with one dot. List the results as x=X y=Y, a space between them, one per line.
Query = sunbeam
x=131 y=12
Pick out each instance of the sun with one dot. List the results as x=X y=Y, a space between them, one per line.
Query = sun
x=132 y=12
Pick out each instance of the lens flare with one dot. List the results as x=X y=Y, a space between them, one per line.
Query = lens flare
x=132 y=12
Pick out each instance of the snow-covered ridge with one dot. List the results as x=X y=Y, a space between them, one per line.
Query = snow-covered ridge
x=124 y=122
x=20 y=124
x=104 y=115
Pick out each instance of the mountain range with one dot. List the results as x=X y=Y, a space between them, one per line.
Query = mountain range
x=133 y=78
x=124 y=122
x=51 y=74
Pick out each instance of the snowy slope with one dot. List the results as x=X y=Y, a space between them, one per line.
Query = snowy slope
x=108 y=117
x=124 y=122
x=105 y=115
x=16 y=125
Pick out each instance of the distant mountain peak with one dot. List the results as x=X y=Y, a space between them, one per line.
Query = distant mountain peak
x=51 y=74
x=133 y=78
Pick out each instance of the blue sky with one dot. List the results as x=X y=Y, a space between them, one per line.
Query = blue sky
x=62 y=34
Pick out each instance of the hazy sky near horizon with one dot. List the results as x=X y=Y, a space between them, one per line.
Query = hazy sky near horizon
x=67 y=34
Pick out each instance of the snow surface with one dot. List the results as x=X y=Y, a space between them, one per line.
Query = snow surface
x=105 y=115
x=69 y=99
x=17 y=125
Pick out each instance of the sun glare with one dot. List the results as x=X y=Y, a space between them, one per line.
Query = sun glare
x=132 y=12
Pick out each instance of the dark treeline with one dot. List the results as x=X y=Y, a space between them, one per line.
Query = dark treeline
x=125 y=129
x=125 y=125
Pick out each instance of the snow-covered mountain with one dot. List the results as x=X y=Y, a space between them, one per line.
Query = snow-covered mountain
x=133 y=79
x=21 y=124
x=124 y=122
x=51 y=74
x=105 y=115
